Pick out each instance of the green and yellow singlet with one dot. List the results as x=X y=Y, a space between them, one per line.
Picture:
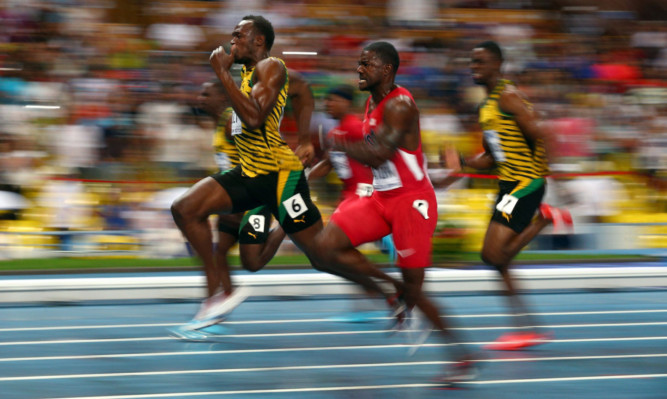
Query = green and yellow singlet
x=263 y=150
x=517 y=157
x=226 y=155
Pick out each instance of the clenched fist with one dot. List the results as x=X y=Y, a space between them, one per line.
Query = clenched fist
x=220 y=60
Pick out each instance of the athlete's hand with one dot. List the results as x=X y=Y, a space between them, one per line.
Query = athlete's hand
x=451 y=158
x=220 y=60
x=306 y=153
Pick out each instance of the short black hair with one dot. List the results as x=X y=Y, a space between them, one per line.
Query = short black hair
x=493 y=48
x=386 y=52
x=217 y=85
x=344 y=91
x=264 y=27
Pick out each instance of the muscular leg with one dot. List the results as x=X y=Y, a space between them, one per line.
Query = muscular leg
x=226 y=240
x=413 y=279
x=191 y=212
x=331 y=251
x=255 y=256
x=221 y=277
x=501 y=245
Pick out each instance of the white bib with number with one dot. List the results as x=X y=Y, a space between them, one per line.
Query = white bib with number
x=237 y=126
x=493 y=140
x=257 y=222
x=385 y=177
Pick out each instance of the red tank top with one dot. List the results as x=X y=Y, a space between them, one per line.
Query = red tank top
x=352 y=173
x=406 y=170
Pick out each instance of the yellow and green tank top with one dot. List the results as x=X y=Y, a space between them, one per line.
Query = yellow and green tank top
x=226 y=155
x=263 y=150
x=517 y=157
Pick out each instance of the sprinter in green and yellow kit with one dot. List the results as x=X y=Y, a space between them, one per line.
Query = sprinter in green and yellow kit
x=517 y=146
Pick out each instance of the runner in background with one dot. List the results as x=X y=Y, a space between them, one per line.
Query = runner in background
x=517 y=145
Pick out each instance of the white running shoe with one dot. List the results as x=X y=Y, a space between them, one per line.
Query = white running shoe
x=220 y=305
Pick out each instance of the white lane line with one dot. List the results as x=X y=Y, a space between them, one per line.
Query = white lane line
x=368 y=387
x=297 y=349
x=322 y=333
x=321 y=320
x=308 y=367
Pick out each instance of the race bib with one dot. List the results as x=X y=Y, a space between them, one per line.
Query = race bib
x=223 y=161
x=258 y=222
x=295 y=206
x=385 y=177
x=493 y=140
x=364 y=190
x=237 y=126
x=507 y=204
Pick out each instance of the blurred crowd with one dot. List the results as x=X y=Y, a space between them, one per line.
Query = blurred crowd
x=98 y=123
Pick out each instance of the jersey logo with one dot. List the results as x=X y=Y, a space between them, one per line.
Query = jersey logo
x=404 y=253
x=252 y=235
x=302 y=220
x=370 y=138
x=422 y=207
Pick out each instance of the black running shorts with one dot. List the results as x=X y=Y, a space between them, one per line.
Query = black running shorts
x=284 y=193
x=517 y=203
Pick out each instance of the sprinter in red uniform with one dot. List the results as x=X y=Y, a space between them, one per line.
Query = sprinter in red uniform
x=403 y=202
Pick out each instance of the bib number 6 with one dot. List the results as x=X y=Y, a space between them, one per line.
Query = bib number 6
x=295 y=206
x=507 y=204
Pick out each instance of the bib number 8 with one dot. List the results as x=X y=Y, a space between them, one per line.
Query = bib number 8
x=507 y=204
x=257 y=222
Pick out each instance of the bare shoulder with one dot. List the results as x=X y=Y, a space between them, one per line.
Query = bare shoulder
x=512 y=93
x=401 y=103
x=270 y=68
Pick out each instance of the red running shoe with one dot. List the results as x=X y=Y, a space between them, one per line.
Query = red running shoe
x=516 y=341
x=560 y=217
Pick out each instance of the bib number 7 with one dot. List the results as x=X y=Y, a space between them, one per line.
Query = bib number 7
x=507 y=204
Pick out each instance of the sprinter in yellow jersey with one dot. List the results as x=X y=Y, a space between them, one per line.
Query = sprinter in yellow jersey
x=270 y=173
x=251 y=229
x=517 y=145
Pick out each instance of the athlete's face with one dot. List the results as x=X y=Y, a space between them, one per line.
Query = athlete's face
x=208 y=98
x=370 y=70
x=336 y=106
x=242 y=42
x=483 y=65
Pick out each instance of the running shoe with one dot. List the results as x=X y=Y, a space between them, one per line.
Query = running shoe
x=419 y=329
x=560 y=217
x=221 y=304
x=516 y=341
x=187 y=334
x=216 y=308
x=457 y=374
x=400 y=311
